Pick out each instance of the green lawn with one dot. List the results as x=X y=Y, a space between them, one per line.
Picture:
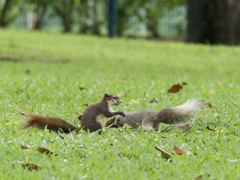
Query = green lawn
x=57 y=64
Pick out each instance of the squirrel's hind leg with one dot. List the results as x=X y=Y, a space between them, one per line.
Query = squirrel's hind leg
x=148 y=124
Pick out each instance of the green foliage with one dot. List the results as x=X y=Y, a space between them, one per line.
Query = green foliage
x=9 y=11
x=59 y=64
x=90 y=17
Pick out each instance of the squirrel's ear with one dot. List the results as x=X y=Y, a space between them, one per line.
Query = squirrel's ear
x=105 y=95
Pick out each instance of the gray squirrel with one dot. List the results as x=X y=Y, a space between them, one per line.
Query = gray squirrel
x=150 y=120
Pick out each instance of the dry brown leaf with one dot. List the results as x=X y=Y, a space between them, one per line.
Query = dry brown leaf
x=82 y=88
x=164 y=153
x=190 y=153
x=119 y=134
x=177 y=150
x=210 y=105
x=85 y=104
x=27 y=71
x=120 y=154
x=80 y=117
x=22 y=114
x=199 y=177
x=210 y=129
x=61 y=137
x=45 y=150
x=25 y=147
x=175 y=88
x=184 y=127
x=121 y=94
x=154 y=101
x=30 y=166
x=111 y=123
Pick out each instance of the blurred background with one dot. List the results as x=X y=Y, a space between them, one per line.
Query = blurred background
x=196 y=21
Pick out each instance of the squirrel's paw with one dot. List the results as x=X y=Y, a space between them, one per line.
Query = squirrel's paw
x=121 y=113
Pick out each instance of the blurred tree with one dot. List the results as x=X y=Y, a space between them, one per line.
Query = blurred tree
x=65 y=10
x=125 y=10
x=9 y=11
x=149 y=12
x=214 y=21
x=40 y=8
x=91 y=15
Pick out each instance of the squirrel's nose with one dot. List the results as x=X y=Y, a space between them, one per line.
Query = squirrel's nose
x=120 y=101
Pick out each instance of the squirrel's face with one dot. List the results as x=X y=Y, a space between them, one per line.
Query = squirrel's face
x=112 y=100
x=119 y=120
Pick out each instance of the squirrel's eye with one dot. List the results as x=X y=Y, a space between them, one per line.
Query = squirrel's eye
x=114 y=97
x=118 y=119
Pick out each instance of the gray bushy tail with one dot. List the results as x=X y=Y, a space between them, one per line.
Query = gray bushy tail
x=179 y=114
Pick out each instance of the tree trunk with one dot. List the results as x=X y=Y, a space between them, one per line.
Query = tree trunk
x=197 y=24
x=3 y=22
x=223 y=18
x=39 y=22
x=214 y=21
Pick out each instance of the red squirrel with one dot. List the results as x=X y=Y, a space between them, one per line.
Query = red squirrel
x=91 y=118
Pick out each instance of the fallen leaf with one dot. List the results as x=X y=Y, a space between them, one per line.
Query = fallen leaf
x=30 y=166
x=177 y=150
x=210 y=129
x=121 y=94
x=210 y=105
x=184 y=127
x=199 y=177
x=120 y=80
x=120 y=154
x=211 y=93
x=22 y=114
x=164 y=153
x=190 y=153
x=14 y=122
x=222 y=131
x=61 y=137
x=82 y=88
x=27 y=71
x=154 y=101
x=45 y=150
x=163 y=137
x=25 y=147
x=111 y=123
x=184 y=83
x=80 y=117
x=85 y=104
x=133 y=102
x=119 y=134
x=175 y=88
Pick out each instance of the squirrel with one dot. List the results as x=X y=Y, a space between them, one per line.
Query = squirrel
x=91 y=118
x=150 y=120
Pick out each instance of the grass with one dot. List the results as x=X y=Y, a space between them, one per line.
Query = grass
x=59 y=63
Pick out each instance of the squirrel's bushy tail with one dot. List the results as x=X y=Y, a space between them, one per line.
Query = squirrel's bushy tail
x=179 y=114
x=52 y=123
